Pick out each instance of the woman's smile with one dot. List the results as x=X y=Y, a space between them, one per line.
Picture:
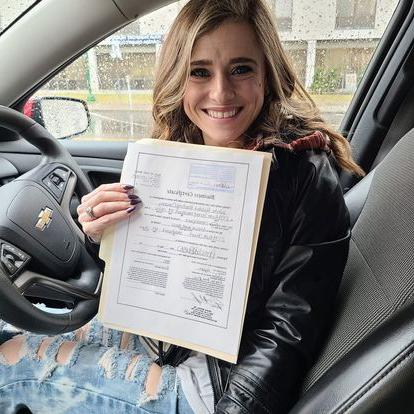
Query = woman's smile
x=223 y=114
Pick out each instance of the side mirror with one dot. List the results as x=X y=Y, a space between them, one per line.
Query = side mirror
x=62 y=117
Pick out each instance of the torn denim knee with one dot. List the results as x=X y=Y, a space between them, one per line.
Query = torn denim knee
x=27 y=349
x=101 y=335
x=50 y=358
x=167 y=383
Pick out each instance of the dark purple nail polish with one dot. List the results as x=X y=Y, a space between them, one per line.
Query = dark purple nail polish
x=133 y=197
x=131 y=209
x=135 y=202
x=127 y=187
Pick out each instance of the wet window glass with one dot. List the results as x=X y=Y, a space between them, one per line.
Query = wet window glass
x=11 y=10
x=329 y=42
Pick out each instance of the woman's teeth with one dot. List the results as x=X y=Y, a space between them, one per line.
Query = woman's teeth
x=221 y=114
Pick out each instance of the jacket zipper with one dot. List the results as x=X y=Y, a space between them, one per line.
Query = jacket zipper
x=215 y=377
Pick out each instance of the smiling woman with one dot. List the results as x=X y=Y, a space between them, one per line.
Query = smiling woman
x=223 y=80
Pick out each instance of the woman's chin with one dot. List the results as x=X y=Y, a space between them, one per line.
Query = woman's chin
x=224 y=142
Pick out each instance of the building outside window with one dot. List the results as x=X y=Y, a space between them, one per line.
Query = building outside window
x=116 y=77
x=283 y=12
x=355 y=14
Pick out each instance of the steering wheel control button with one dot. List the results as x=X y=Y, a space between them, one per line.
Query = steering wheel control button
x=12 y=258
x=56 y=181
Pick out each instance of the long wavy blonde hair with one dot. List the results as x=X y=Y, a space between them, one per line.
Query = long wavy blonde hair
x=288 y=111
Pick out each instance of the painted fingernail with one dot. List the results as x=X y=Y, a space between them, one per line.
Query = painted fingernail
x=135 y=202
x=127 y=187
x=131 y=209
x=133 y=197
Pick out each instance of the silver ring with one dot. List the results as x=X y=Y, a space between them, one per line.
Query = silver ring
x=89 y=212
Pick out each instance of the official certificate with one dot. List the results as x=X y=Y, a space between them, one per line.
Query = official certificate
x=179 y=268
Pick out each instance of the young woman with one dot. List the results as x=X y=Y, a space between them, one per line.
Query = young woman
x=224 y=80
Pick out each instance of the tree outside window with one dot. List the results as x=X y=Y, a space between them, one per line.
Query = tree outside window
x=355 y=14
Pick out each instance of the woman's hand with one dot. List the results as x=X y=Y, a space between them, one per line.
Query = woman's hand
x=104 y=206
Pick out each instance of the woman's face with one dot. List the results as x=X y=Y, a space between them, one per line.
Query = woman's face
x=225 y=91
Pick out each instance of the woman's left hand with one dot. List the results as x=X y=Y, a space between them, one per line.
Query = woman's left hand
x=104 y=206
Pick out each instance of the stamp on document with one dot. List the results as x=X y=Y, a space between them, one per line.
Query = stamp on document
x=212 y=177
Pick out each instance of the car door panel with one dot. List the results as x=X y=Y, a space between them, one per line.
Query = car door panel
x=382 y=94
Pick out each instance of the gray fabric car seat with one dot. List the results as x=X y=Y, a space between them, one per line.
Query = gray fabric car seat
x=378 y=284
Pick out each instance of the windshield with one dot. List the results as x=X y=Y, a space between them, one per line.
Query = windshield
x=10 y=10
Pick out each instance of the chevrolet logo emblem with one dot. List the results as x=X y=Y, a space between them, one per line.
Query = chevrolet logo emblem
x=45 y=217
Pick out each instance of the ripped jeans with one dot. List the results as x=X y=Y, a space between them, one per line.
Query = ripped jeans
x=103 y=371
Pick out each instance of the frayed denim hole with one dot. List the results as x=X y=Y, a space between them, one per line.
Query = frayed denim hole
x=87 y=332
x=3 y=360
x=70 y=336
x=114 y=337
x=21 y=351
x=50 y=363
x=75 y=354
x=100 y=354
x=131 y=342
x=139 y=376
x=24 y=352
x=168 y=380
x=95 y=332
x=33 y=343
x=140 y=371
x=105 y=338
x=123 y=359
x=124 y=340
x=108 y=362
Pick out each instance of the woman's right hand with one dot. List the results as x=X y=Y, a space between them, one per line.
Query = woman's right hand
x=104 y=206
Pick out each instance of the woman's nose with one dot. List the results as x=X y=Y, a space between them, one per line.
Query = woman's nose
x=222 y=89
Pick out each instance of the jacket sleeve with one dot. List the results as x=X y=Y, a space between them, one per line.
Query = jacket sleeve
x=282 y=335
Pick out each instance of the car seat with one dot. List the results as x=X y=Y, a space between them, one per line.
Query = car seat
x=367 y=364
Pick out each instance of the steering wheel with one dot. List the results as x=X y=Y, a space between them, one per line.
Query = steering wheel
x=42 y=250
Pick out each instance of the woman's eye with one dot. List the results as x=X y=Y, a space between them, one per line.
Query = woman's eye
x=199 y=73
x=241 y=70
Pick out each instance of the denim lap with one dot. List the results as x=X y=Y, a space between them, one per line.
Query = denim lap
x=96 y=378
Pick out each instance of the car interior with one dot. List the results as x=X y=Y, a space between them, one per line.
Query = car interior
x=366 y=364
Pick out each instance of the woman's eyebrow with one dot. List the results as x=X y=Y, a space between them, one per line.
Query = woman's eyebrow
x=243 y=60
x=201 y=62
x=206 y=62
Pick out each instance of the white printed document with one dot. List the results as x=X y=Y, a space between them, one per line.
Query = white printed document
x=179 y=269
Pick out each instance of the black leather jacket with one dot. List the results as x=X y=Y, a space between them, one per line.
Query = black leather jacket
x=301 y=254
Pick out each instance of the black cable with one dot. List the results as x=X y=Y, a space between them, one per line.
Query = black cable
x=160 y=353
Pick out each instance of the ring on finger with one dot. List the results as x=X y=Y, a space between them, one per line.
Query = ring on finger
x=89 y=212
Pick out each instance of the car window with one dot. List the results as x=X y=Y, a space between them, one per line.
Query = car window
x=329 y=42
x=10 y=10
